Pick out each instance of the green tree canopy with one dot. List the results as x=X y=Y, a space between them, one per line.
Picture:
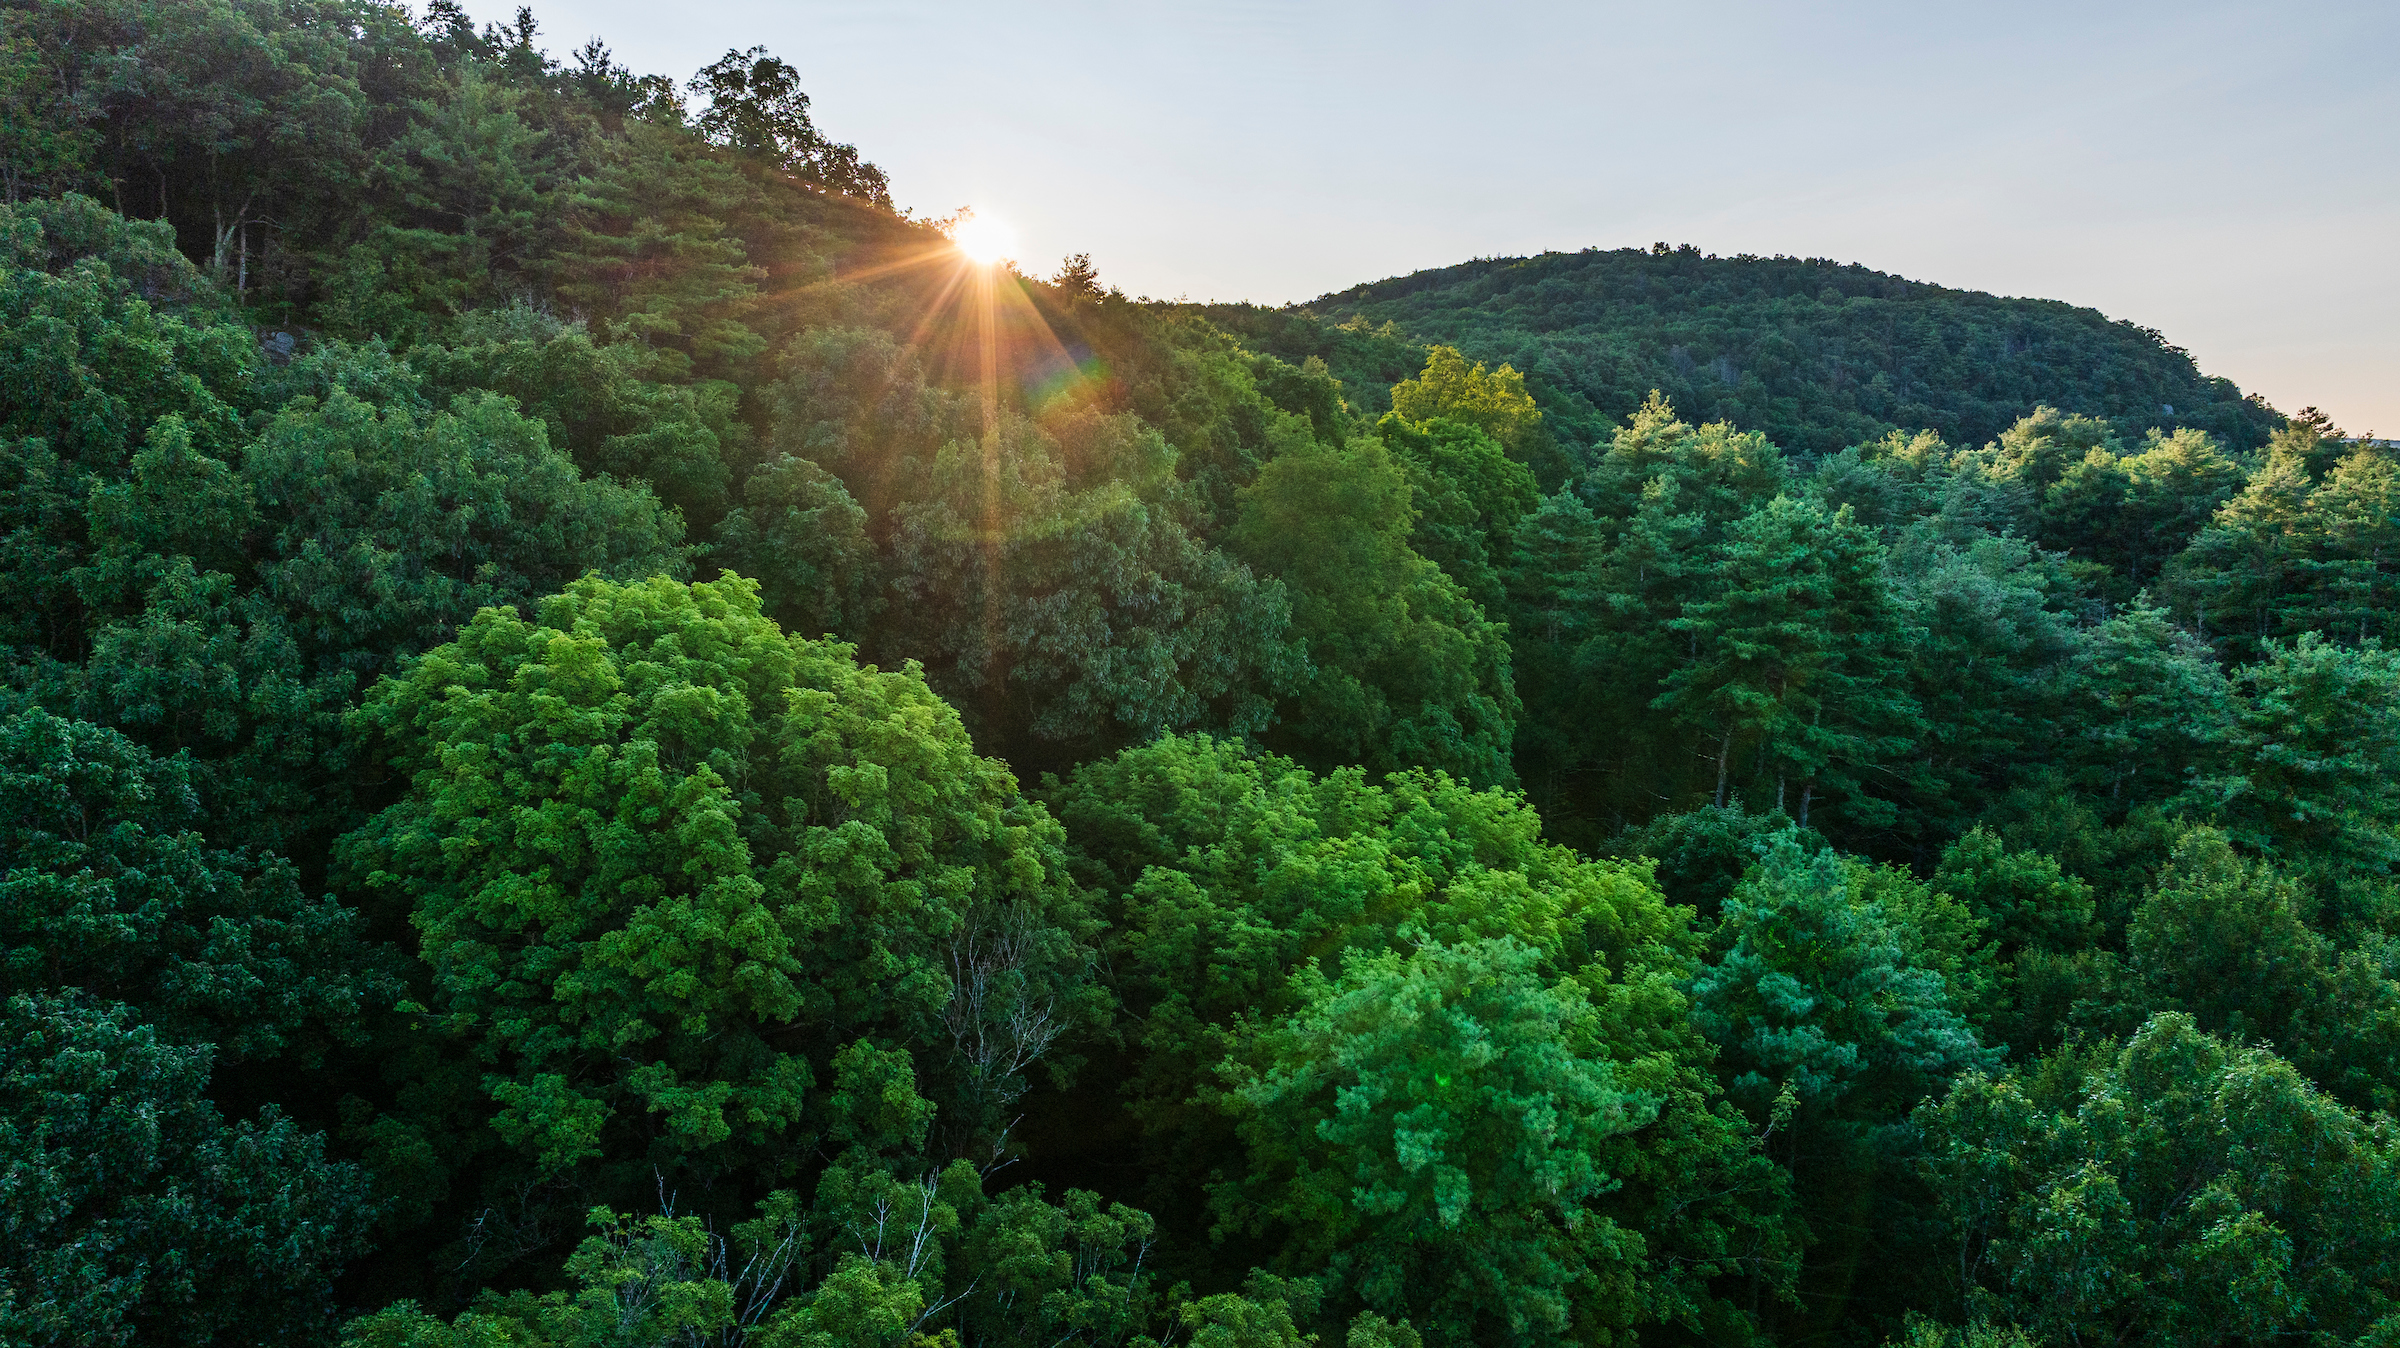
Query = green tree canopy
x=110 y=887
x=1408 y=670
x=2171 y=1188
x=666 y=861
x=1268 y=925
x=133 y=1213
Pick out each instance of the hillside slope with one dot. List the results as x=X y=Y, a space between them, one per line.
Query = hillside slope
x=1817 y=354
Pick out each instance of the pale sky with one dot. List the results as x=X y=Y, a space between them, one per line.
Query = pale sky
x=2226 y=173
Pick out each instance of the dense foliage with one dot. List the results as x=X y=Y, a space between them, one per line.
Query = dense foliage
x=1816 y=354
x=577 y=768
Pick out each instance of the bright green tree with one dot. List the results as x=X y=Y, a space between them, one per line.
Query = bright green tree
x=1408 y=670
x=1452 y=388
x=1719 y=473
x=1427 y=1128
x=666 y=862
x=1352 y=1138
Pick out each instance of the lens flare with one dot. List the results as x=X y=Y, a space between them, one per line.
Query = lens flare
x=985 y=239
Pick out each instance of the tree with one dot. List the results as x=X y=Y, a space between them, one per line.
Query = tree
x=2225 y=940
x=47 y=141
x=646 y=252
x=2043 y=927
x=1425 y=1127
x=2150 y=704
x=1468 y=495
x=2237 y=578
x=2171 y=1188
x=476 y=181
x=878 y=1259
x=1495 y=402
x=1820 y=996
x=196 y=664
x=1265 y=924
x=1552 y=592
x=111 y=888
x=1992 y=621
x=394 y=529
x=1718 y=473
x=1078 y=280
x=666 y=862
x=2133 y=511
x=603 y=405
x=2314 y=777
x=801 y=537
x=1833 y=1011
x=1047 y=576
x=755 y=105
x=205 y=108
x=92 y=361
x=2353 y=524
x=1796 y=658
x=1453 y=389
x=1407 y=669
x=134 y=1214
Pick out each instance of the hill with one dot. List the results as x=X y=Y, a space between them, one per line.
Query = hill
x=1814 y=353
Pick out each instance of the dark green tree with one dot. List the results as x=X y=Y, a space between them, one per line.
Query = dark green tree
x=133 y=1213
x=110 y=887
x=1796 y=660
x=755 y=105
x=2172 y=1188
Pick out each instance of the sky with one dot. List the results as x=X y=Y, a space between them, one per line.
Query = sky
x=2226 y=173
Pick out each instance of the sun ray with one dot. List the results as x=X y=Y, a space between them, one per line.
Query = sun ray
x=976 y=322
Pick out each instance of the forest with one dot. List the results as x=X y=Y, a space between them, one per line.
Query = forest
x=605 y=743
x=1814 y=354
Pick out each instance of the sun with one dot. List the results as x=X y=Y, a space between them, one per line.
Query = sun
x=985 y=239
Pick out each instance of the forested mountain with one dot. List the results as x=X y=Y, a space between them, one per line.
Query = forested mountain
x=1814 y=354
x=604 y=742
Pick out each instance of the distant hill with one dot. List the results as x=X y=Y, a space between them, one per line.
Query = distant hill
x=1815 y=353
